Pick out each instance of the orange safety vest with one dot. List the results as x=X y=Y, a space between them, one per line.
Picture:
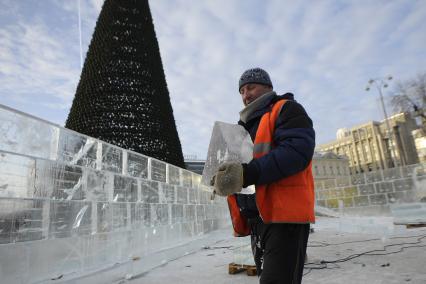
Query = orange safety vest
x=288 y=200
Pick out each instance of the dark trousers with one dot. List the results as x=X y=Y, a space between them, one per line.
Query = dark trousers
x=279 y=251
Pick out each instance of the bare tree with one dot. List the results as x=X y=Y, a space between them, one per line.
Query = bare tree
x=410 y=96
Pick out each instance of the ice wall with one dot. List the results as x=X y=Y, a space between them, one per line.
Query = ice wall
x=373 y=192
x=71 y=205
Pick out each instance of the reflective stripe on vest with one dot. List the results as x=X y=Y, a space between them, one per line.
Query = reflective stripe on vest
x=263 y=140
x=261 y=148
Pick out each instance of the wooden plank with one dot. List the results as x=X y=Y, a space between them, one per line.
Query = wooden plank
x=251 y=270
x=235 y=268
x=412 y=226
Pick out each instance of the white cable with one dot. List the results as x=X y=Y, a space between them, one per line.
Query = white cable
x=79 y=29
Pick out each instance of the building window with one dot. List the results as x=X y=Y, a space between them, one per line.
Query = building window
x=331 y=170
x=324 y=170
x=356 y=136
x=338 y=170
x=316 y=170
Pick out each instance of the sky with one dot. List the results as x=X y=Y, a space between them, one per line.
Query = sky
x=322 y=51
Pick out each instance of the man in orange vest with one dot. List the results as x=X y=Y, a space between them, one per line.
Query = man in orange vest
x=279 y=213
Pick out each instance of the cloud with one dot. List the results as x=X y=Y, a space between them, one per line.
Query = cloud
x=323 y=51
x=35 y=64
x=40 y=56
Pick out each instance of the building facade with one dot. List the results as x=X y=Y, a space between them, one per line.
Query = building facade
x=329 y=166
x=193 y=164
x=369 y=146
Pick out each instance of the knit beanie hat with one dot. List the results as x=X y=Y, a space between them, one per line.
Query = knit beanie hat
x=255 y=75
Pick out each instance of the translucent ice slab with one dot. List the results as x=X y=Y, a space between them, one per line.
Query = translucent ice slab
x=228 y=143
x=20 y=133
x=412 y=213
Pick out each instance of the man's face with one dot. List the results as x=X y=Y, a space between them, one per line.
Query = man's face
x=250 y=92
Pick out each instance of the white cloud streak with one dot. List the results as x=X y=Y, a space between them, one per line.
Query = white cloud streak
x=34 y=63
x=323 y=51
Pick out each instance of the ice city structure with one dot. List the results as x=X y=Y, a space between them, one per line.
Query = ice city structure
x=73 y=208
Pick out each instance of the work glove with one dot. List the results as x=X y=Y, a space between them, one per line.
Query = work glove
x=228 y=179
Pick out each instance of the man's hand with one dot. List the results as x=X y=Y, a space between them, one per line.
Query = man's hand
x=228 y=179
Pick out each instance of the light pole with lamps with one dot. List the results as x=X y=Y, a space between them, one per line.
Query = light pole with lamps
x=380 y=84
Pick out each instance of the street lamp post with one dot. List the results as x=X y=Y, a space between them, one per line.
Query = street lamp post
x=380 y=84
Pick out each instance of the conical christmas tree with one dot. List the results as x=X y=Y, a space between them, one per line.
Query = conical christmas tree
x=122 y=96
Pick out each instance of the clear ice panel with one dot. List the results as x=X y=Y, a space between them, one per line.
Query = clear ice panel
x=26 y=135
x=200 y=212
x=104 y=217
x=140 y=215
x=358 y=179
x=120 y=216
x=159 y=214
x=168 y=193
x=229 y=142
x=177 y=213
x=174 y=175
x=188 y=228
x=99 y=185
x=70 y=218
x=373 y=176
x=21 y=176
x=149 y=191
x=196 y=180
x=186 y=178
x=182 y=195
x=77 y=149
x=125 y=189
x=58 y=181
x=412 y=213
x=419 y=182
x=391 y=174
x=17 y=175
x=158 y=170
x=112 y=158
x=189 y=212
x=204 y=196
x=193 y=196
x=137 y=165
x=410 y=170
x=343 y=181
x=20 y=220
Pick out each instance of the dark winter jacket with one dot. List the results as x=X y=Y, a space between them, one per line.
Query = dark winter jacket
x=294 y=143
